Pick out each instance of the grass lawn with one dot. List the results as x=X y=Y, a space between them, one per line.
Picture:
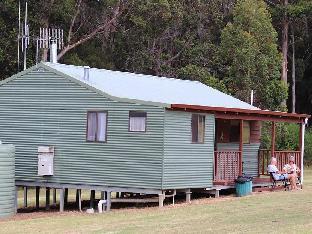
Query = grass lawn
x=274 y=212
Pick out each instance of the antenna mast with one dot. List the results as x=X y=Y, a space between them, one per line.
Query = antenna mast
x=43 y=41
x=25 y=36
x=22 y=36
x=18 y=36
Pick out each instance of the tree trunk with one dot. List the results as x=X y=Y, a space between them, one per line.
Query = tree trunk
x=293 y=75
x=285 y=26
x=45 y=23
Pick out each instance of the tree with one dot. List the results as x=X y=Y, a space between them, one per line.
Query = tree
x=171 y=38
x=250 y=56
x=286 y=13
x=82 y=20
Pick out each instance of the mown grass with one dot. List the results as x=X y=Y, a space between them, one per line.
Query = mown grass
x=268 y=212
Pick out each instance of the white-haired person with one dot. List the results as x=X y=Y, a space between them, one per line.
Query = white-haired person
x=274 y=170
x=291 y=169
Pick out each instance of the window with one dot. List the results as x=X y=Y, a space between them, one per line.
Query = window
x=246 y=132
x=137 y=121
x=198 y=128
x=96 y=126
x=234 y=130
x=228 y=131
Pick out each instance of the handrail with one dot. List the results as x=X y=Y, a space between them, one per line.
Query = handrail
x=286 y=151
x=227 y=165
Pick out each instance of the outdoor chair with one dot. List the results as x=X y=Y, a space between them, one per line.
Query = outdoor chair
x=275 y=183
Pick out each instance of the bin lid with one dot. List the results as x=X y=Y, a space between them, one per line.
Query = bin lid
x=242 y=180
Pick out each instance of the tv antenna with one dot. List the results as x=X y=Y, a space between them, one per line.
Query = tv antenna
x=48 y=38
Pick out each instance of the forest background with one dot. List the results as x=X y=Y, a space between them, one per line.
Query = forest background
x=235 y=46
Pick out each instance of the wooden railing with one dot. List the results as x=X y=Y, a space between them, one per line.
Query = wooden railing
x=227 y=165
x=264 y=158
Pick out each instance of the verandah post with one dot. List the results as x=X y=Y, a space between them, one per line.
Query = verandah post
x=301 y=145
x=273 y=140
x=241 y=147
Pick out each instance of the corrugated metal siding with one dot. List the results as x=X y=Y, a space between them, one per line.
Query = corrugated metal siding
x=7 y=181
x=250 y=155
x=42 y=108
x=187 y=165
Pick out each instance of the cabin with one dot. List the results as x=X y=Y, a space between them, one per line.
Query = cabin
x=78 y=127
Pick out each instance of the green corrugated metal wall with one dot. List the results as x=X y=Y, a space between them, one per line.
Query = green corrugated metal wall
x=187 y=165
x=250 y=155
x=42 y=108
x=7 y=181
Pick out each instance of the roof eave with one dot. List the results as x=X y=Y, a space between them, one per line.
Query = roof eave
x=248 y=114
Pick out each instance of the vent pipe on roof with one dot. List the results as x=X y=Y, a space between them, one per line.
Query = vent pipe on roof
x=86 y=70
x=53 y=52
x=251 y=97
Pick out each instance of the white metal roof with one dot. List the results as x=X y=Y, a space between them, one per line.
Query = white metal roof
x=147 y=88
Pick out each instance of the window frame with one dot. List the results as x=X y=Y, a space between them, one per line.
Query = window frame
x=204 y=129
x=145 y=117
x=87 y=126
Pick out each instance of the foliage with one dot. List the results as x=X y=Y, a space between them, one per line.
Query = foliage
x=287 y=136
x=172 y=38
x=274 y=93
x=294 y=9
x=250 y=55
x=294 y=17
x=308 y=147
x=8 y=35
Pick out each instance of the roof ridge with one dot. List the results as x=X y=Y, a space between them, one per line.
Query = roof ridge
x=124 y=72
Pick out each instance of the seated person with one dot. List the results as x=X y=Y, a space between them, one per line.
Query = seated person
x=275 y=173
x=291 y=169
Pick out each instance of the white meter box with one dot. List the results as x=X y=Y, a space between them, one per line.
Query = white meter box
x=45 y=160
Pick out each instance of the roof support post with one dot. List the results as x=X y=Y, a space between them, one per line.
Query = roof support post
x=54 y=197
x=109 y=201
x=241 y=127
x=25 y=196
x=78 y=198
x=273 y=139
x=301 y=146
x=65 y=196
x=16 y=199
x=92 y=198
x=62 y=191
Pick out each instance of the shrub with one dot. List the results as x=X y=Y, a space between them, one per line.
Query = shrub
x=287 y=136
x=308 y=147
